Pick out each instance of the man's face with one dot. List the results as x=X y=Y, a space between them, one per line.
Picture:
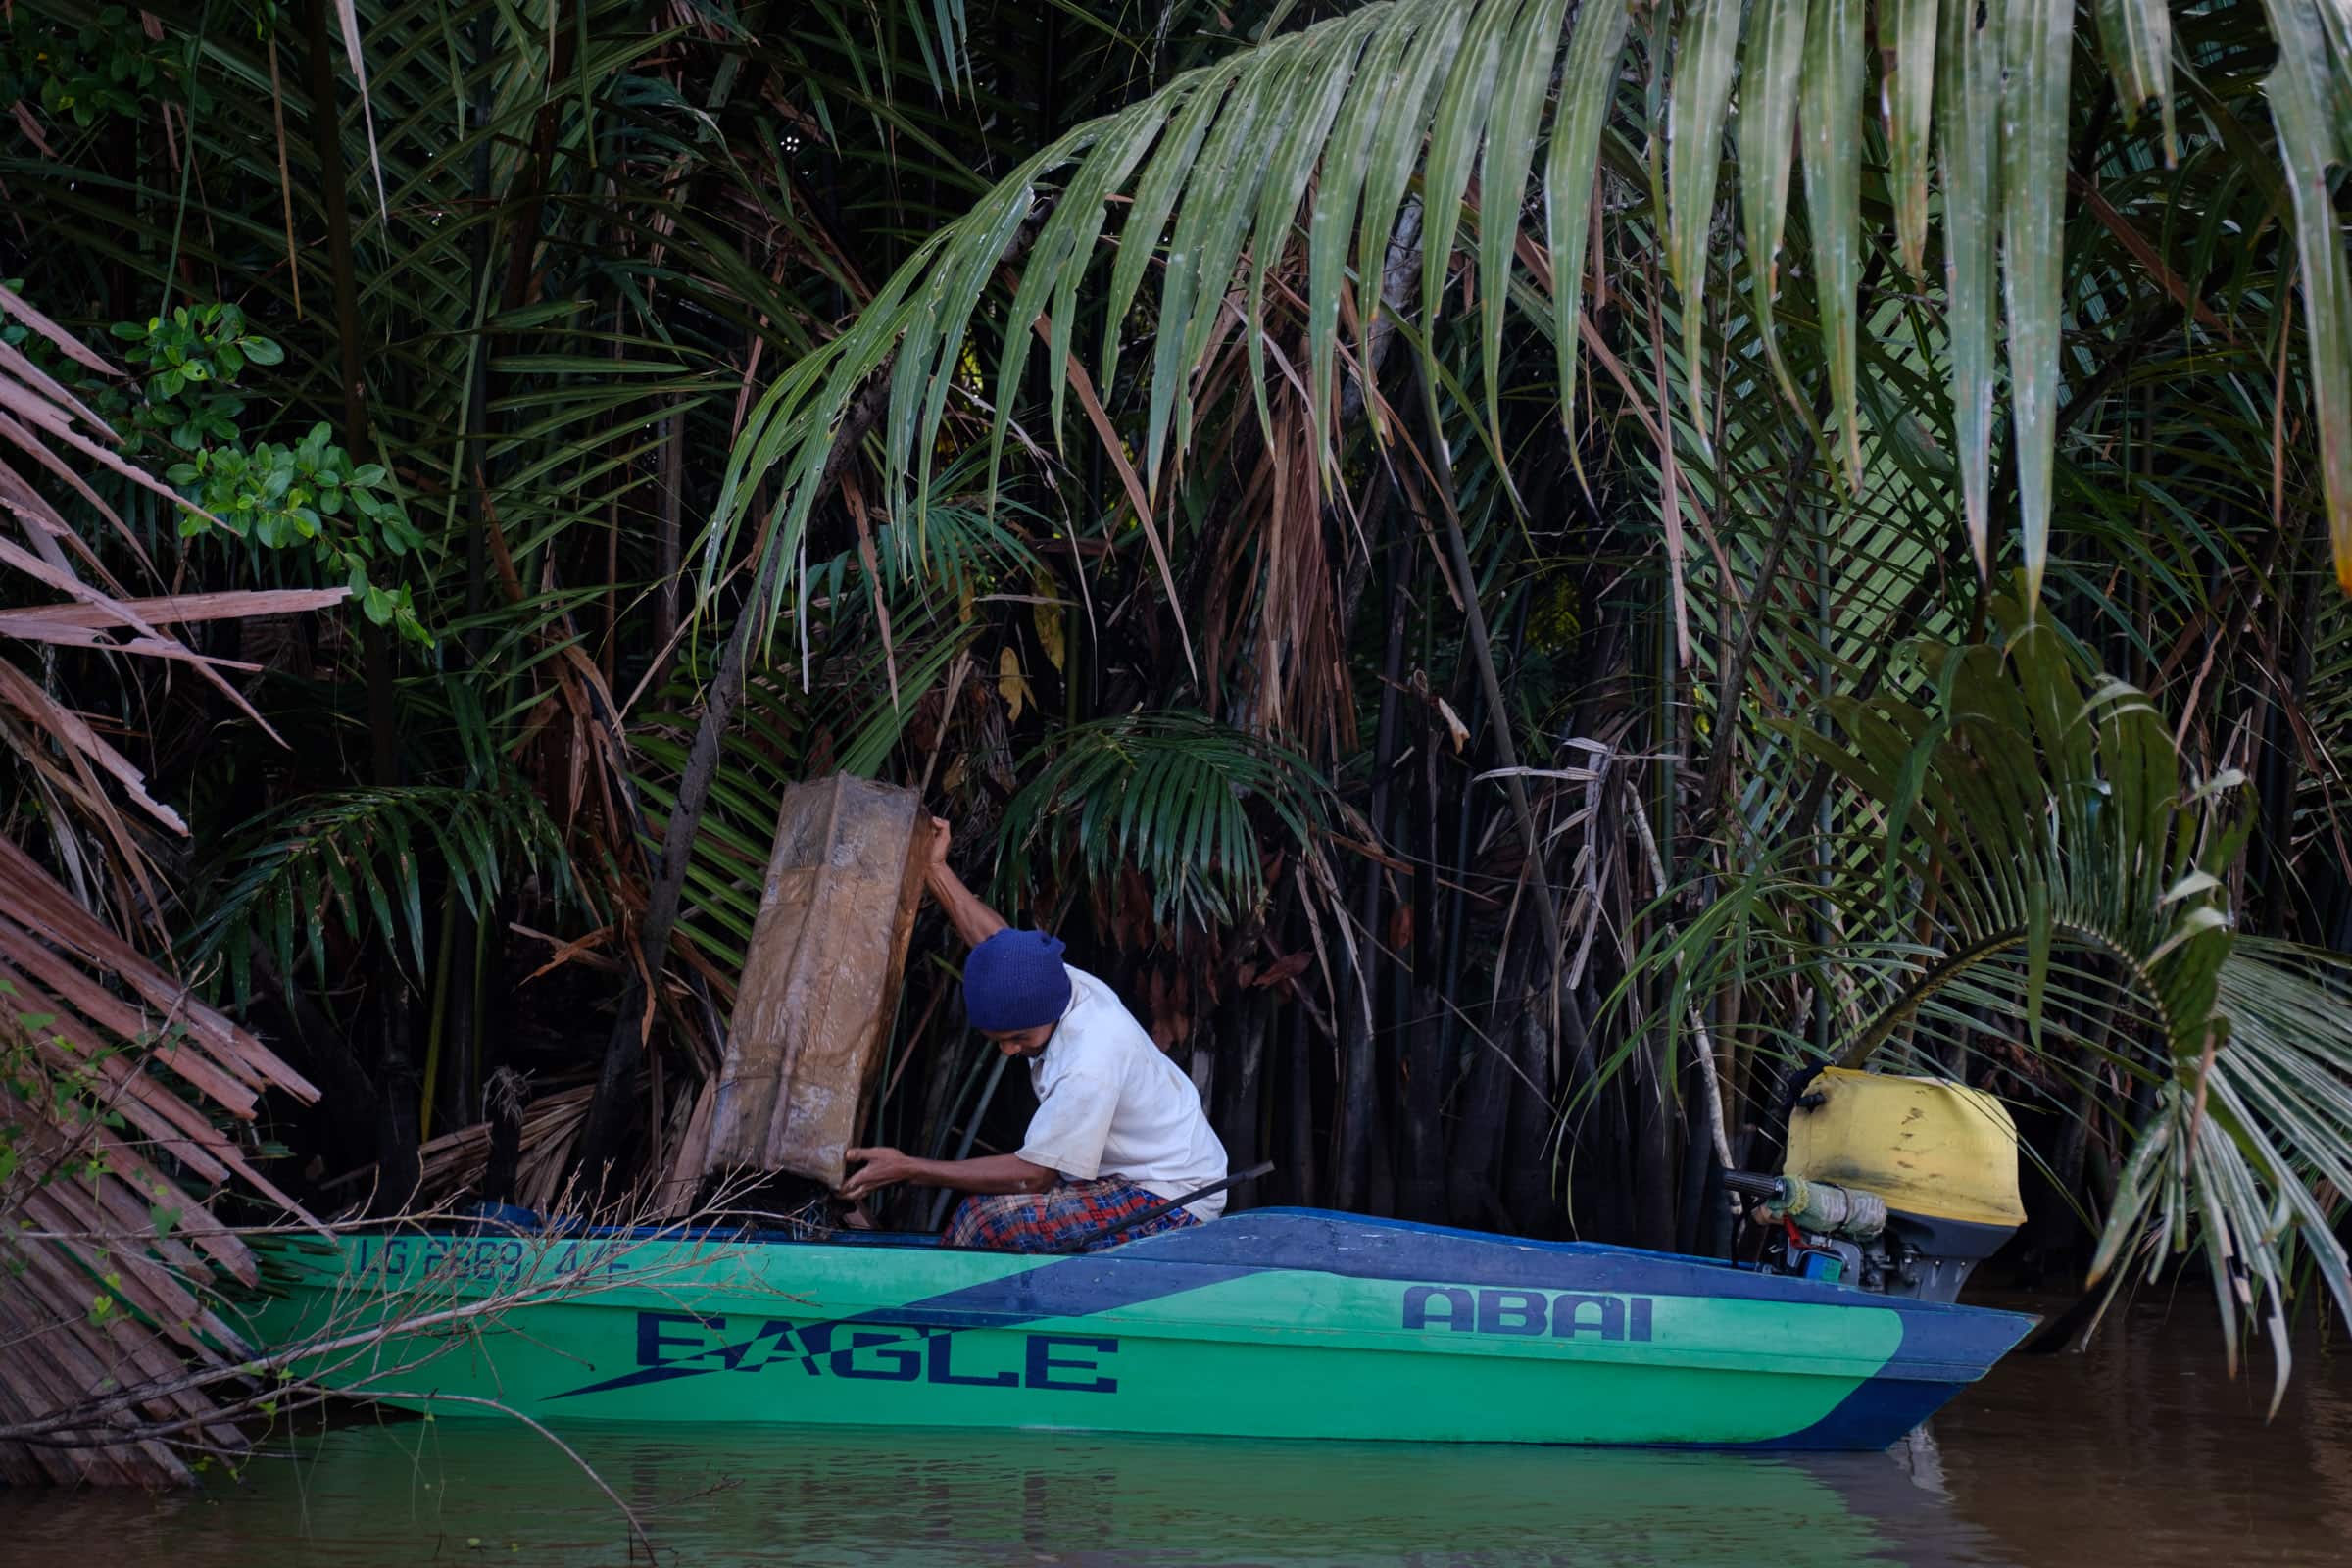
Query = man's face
x=1029 y=1044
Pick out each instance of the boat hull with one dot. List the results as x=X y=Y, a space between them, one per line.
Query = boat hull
x=1273 y=1324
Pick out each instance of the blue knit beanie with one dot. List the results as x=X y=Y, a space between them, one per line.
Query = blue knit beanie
x=1014 y=980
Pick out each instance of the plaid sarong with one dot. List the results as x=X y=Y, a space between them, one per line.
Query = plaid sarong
x=1056 y=1219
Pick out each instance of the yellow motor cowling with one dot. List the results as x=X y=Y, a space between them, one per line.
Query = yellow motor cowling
x=1892 y=1184
x=1934 y=1150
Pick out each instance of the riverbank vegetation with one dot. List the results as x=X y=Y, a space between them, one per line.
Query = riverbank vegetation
x=1507 y=570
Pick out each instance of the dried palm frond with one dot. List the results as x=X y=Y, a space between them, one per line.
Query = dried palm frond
x=116 y=1071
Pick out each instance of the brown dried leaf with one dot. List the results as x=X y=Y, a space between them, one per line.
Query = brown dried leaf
x=1010 y=685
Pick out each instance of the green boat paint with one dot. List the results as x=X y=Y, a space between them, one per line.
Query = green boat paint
x=1273 y=1324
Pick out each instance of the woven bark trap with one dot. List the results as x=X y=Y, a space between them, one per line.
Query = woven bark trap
x=820 y=980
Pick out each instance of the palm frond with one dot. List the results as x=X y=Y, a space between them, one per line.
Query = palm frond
x=362 y=859
x=2054 y=868
x=1432 y=64
x=1169 y=794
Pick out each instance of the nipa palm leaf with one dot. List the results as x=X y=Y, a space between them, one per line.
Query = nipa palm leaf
x=1353 y=107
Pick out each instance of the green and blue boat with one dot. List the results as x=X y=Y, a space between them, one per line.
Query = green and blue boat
x=1276 y=1323
x=1285 y=1323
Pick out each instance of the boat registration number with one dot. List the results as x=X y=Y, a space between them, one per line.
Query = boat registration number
x=487 y=1260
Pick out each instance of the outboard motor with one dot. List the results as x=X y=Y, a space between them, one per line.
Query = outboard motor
x=1899 y=1185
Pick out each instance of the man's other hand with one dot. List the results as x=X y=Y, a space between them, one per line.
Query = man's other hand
x=935 y=853
x=879 y=1168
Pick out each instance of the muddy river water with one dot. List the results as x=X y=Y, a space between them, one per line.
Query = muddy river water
x=2141 y=1452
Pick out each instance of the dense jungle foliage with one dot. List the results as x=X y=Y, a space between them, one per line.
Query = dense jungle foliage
x=1507 y=571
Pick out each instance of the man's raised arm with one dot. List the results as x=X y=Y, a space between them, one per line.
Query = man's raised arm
x=973 y=920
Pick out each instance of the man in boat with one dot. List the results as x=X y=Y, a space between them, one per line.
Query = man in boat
x=1118 y=1130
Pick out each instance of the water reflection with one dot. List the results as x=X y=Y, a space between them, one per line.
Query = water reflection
x=2143 y=1451
x=414 y=1492
x=2147 y=1450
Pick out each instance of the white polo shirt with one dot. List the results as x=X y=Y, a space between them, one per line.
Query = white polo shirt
x=1109 y=1103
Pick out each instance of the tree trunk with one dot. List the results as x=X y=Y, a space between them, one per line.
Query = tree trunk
x=1239 y=1091
x=1527 y=1179
x=1299 y=1106
x=1655 y=1129
x=397 y=1168
x=1423 y=1084
x=1478 y=1133
x=1360 y=1081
